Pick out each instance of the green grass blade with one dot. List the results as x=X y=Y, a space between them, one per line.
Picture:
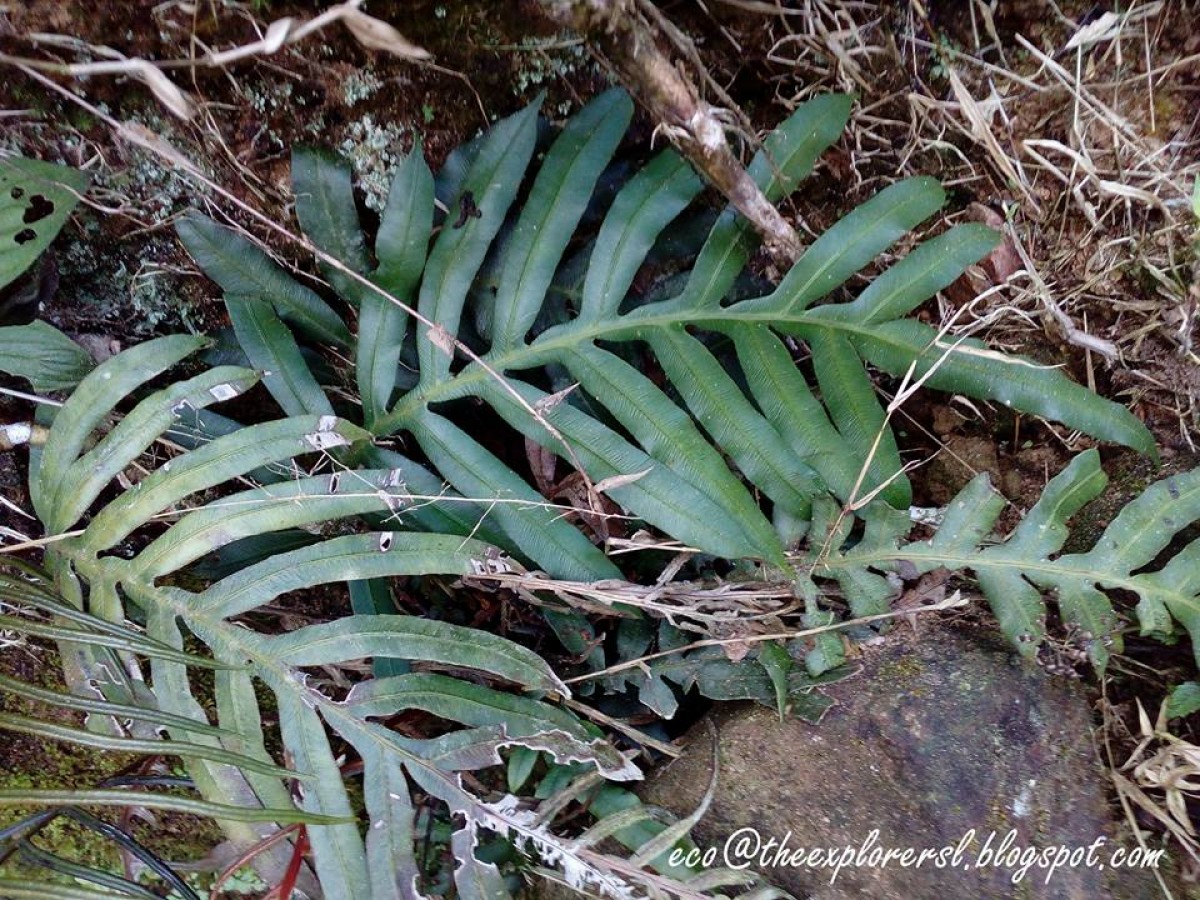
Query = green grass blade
x=119 y=799
x=851 y=400
x=275 y=507
x=391 y=839
x=970 y=368
x=733 y=423
x=409 y=637
x=669 y=435
x=104 y=708
x=338 y=850
x=401 y=245
x=92 y=402
x=214 y=463
x=933 y=265
x=787 y=157
x=854 y=241
x=148 y=421
x=526 y=517
x=460 y=701
x=788 y=403
x=327 y=214
x=30 y=889
x=382 y=554
x=643 y=208
x=673 y=493
x=99 y=741
x=130 y=642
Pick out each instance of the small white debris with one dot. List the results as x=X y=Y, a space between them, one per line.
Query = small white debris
x=547 y=403
x=223 y=392
x=16 y=434
x=618 y=481
x=335 y=481
x=441 y=338
x=391 y=501
x=385 y=541
x=394 y=479
x=927 y=515
x=1021 y=805
x=325 y=437
x=493 y=565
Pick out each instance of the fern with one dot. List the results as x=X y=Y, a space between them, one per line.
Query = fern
x=495 y=282
x=756 y=410
x=35 y=200
x=89 y=590
x=1014 y=572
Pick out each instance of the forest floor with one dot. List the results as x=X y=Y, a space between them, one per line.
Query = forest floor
x=1073 y=130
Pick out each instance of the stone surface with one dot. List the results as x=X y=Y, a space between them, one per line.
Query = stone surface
x=942 y=733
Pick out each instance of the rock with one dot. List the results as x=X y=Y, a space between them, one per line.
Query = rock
x=943 y=735
x=962 y=458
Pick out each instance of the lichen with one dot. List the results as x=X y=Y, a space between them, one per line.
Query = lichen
x=540 y=67
x=361 y=84
x=374 y=150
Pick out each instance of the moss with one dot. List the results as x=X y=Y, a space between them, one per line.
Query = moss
x=31 y=763
x=902 y=672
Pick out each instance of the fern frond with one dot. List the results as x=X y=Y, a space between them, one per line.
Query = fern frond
x=228 y=758
x=753 y=410
x=1017 y=571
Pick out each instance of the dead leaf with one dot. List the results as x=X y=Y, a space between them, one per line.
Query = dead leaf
x=994 y=269
x=616 y=481
x=542 y=463
x=168 y=93
x=376 y=34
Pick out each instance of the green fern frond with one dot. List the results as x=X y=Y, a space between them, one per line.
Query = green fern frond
x=1016 y=572
x=158 y=711
x=758 y=414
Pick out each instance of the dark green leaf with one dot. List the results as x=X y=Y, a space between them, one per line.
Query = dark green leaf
x=243 y=269
x=44 y=355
